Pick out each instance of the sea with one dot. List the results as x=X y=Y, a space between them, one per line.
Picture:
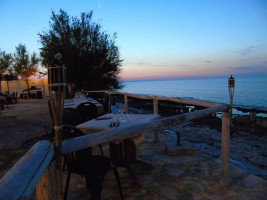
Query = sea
x=250 y=91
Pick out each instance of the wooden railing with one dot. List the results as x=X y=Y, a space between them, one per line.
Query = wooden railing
x=35 y=169
x=20 y=181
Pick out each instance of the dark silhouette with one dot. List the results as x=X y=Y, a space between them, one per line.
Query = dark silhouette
x=6 y=60
x=89 y=54
x=25 y=65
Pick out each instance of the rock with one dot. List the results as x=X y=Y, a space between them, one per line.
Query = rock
x=173 y=160
x=184 y=148
x=252 y=180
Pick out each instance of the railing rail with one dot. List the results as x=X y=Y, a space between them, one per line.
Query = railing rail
x=32 y=170
x=21 y=180
x=120 y=133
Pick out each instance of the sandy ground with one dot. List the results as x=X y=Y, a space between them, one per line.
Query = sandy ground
x=172 y=177
x=21 y=125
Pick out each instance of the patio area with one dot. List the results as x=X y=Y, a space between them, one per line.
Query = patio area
x=173 y=177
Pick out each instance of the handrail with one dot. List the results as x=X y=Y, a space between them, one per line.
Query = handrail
x=173 y=99
x=21 y=179
x=119 y=133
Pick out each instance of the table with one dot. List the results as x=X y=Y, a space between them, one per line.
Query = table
x=36 y=93
x=74 y=102
x=122 y=153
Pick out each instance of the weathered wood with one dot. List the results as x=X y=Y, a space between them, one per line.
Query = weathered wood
x=96 y=91
x=125 y=103
x=20 y=181
x=128 y=131
x=46 y=187
x=173 y=99
x=225 y=148
x=155 y=106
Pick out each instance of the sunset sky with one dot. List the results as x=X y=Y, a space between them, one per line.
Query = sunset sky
x=158 y=39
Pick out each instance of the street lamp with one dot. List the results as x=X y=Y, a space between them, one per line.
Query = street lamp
x=56 y=85
x=231 y=89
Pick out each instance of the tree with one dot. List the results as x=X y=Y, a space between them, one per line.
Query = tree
x=89 y=54
x=25 y=65
x=9 y=76
x=6 y=60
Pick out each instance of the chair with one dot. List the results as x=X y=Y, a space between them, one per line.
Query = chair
x=87 y=111
x=93 y=167
x=123 y=154
x=71 y=117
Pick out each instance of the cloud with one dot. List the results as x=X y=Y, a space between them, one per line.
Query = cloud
x=242 y=68
x=183 y=65
x=247 y=50
x=99 y=4
x=208 y=61
x=249 y=68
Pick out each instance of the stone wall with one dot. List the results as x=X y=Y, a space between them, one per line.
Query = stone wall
x=20 y=85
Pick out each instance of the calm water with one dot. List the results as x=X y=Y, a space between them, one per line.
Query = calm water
x=250 y=92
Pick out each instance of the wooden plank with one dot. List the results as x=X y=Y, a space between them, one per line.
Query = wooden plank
x=225 y=148
x=172 y=99
x=125 y=104
x=96 y=91
x=20 y=181
x=46 y=187
x=129 y=131
x=155 y=106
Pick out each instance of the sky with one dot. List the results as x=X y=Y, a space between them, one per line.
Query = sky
x=159 y=38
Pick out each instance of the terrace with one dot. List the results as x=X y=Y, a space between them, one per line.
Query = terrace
x=195 y=176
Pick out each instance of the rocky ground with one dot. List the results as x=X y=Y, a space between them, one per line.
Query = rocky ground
x=172 y=177
x=248 y=147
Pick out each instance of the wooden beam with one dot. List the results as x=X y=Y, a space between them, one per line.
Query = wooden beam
x=119 y=133
x=172 y=99
x=20 y=181
x=126 y=103
x=225 y=148
x=46 y=187
x=96 y=91
x=155 y=106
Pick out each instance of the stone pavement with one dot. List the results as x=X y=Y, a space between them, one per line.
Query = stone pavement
x=176 y=177
x=173 y=177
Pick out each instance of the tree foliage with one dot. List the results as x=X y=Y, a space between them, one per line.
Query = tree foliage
x=25 y=64
x=89 y=54
x=6 y=60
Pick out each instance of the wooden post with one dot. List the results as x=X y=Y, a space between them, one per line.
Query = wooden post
x=231 y=111
x=59 y=192
x=125 y=103
x=155 y=108
x=109 y=99
x=46 y=187
x=155 y=103
x=225 y=148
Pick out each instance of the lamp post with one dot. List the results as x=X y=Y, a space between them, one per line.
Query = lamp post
x=231 y=88
x=56 y=85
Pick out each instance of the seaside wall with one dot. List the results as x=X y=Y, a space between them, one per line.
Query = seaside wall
x=20 y=85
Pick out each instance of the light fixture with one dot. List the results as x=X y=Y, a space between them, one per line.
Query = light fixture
x=231 y=89
x=57 y=85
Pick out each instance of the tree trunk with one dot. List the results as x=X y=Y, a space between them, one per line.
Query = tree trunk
x=28 y=87
x=7 y=86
